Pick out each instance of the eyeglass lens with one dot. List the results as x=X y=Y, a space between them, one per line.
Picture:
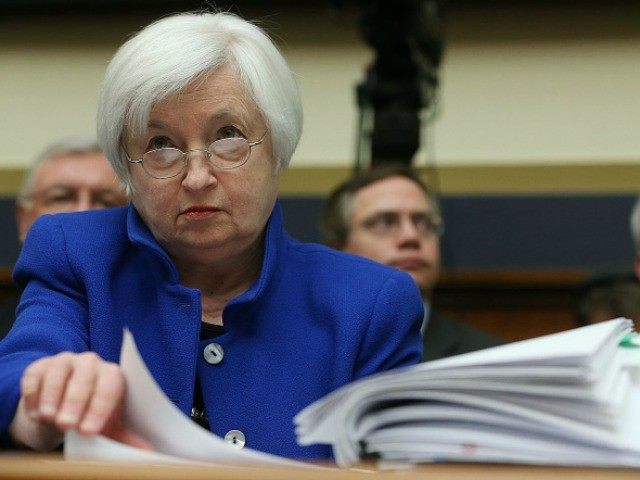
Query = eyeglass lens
x=224 y=153
x=390 y=224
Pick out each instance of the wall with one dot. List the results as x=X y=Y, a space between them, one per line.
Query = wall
x=484 y=232
x=520 y=85
x=539 y=116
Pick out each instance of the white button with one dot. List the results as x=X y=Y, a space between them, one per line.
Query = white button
x=235 y=438
x=213 y=353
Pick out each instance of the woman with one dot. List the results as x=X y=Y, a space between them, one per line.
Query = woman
x=199 y=114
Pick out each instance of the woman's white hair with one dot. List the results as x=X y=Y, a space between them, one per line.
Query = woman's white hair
x=169 y=54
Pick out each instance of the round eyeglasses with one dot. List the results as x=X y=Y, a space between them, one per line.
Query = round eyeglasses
x=224 y=154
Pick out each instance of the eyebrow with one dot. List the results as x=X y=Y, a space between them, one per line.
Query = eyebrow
x=57 y=186
x=216 y=116
x=396 y=212
x=383 y=213
x=157 y=125
x=379 y=215
x=227 y=112
x=241 y=114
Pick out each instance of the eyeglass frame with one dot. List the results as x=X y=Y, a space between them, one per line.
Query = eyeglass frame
x=185 y=155
x=436 y=225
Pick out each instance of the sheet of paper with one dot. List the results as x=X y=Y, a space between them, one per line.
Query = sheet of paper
x=103 y=449
x=563 y=348
x=152 y=415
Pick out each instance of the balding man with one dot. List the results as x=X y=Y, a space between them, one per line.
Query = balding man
x=68 y=176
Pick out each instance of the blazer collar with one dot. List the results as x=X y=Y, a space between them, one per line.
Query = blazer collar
x=139 y=234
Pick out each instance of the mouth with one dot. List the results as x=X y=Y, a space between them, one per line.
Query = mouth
x=410 y=264
x=197 y=212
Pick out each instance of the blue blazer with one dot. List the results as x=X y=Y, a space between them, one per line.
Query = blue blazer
x=314 y=320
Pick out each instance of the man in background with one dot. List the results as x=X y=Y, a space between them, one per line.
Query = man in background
x=389 y=215
x=616 y=292
x=68 y=176
x=608 y=295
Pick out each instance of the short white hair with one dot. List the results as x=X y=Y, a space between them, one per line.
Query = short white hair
x=634 y=220
x=63 y=147
x=167 y=55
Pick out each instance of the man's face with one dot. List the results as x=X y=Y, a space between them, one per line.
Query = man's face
x=70 y=183
x=392 y=222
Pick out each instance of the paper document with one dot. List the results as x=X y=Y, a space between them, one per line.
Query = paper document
x=571 y=398
x=175 y=437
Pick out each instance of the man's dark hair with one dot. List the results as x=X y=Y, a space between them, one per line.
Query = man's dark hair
x=336 y=213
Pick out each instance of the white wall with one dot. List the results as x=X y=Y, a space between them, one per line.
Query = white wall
x=541 y=86
x=518 y=87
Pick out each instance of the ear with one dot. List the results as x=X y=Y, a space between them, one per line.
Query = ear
x=24 y=216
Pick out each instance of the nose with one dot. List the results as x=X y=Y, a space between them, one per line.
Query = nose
x=83 y=201
x=408 y=229
x=199 y=173
x=408 y=234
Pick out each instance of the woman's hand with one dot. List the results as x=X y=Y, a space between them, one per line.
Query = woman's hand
x=71 y=391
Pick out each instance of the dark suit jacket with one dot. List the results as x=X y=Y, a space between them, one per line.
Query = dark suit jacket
x=7 y=316
x=445 y=337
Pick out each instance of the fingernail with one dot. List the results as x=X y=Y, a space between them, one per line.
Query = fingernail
x=67 y=418
x=28 y=388
x=89 y=425
x=47 y=410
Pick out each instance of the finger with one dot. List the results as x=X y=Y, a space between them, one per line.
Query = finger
x=30 y=384
x=107 y=397
x=80 y=388
x=26 y=432
x=53 y=384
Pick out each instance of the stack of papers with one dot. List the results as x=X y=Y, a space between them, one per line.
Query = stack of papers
x=571 y=398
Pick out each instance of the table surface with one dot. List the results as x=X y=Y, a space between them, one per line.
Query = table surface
x=28 y=465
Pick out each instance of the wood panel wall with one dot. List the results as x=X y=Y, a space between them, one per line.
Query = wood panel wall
x=513 y=305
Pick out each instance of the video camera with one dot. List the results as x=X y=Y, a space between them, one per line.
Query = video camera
x=402 y=80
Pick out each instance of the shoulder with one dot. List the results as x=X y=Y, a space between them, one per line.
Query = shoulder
x=80 y=227
x=372 y=309
x=355 y=288
x=90 y=218
x=330 y=265
x=66 y=241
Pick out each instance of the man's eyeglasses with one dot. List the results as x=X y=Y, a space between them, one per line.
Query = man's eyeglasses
x=66 y=198
x=224 y=154
x=389 y=224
